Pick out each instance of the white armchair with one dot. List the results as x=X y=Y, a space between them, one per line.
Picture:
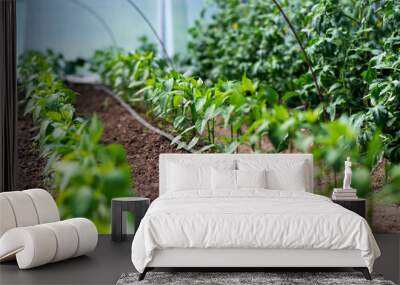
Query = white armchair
x=32 y=233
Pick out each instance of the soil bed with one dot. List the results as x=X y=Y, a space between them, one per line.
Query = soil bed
x=142 y=145
x=30 y=165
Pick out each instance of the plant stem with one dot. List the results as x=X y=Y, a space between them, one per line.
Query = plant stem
x=238 y=135
x=307 y=59
x=209 y=133
x=213 y=130
x=351 y=18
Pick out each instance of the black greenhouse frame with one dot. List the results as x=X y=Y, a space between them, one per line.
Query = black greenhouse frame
x=8 y=96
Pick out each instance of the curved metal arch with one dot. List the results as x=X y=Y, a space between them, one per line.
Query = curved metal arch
x=99 y=19
x=137 y=9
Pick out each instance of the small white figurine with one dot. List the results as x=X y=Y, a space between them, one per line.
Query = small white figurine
x=347 y=174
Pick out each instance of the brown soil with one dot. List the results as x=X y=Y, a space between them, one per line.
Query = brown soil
x=30 y=165
x=386 y=219
x=142 y=145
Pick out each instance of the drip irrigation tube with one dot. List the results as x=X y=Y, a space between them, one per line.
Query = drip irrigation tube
x=136 y=116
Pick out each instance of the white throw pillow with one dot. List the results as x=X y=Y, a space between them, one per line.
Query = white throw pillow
x=282 y=174
x=226 y=179
x=223 y=179
x=251 y=178
x=193 y=174
x=182 y=177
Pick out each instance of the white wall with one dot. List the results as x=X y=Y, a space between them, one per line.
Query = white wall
x=68 y=27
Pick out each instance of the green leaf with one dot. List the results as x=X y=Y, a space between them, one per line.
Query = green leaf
x=231 y=148
x=193 y=142
x=374 y=150
x=201 y=125
x=211 y=112
x=176 y=139
x=271 y=95
x=206 y=148
x=177 y=100
x=199 y=103
x=116 y=182
x=247 y=85
x=54 y=116
x=82 y=199
x=168 y=84
x=361 y=181
x=369 y=75
x=178 y=121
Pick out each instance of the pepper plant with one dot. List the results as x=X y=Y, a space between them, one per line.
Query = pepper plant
x=223 y=116
x=353 y=47
x=84 y=173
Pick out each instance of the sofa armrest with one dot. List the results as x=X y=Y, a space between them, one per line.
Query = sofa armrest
x=40 y=244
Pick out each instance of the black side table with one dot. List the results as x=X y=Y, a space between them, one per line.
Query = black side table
x=358 y=205
x=137 y=205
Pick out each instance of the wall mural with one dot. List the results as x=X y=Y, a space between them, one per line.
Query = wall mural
x=246 y=83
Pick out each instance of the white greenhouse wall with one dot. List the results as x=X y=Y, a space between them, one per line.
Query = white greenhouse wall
x=67 y=26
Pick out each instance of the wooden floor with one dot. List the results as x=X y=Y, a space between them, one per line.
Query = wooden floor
x=111 y=259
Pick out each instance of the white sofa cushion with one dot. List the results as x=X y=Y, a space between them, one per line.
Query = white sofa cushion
x=32 y=246
x=45 y=205
x=23 y=209
x=67 y=240
x=26 y=208
x=87 y=235
x=7 y=220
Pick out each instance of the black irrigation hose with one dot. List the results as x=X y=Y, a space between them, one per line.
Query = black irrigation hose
x=170 y=62
x=99 y=18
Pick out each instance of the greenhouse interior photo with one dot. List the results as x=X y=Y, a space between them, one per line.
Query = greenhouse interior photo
x=199 y=142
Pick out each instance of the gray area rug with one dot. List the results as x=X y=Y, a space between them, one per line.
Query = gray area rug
x=236 y=278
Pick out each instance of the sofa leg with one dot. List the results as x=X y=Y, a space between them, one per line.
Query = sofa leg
x=143 y=274
x=364 y=271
